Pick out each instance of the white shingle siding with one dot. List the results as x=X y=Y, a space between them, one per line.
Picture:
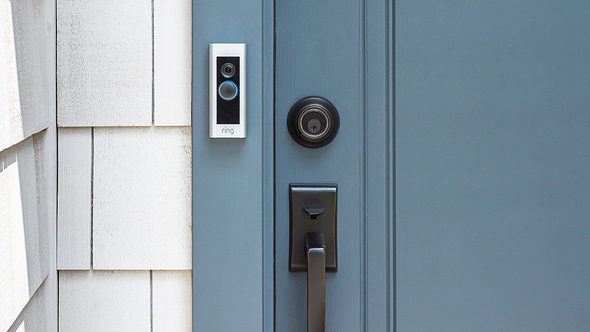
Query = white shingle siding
x=113 y=75
x=104 y=63
x=24 y=244
x=26 y=70
x=120 y=301
x=28 y=276
x=74 y=200
x=172 y=297
x=142 y=198
x=104 y=301
x=172 y=62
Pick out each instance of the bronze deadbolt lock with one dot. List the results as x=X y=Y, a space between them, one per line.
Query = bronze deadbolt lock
x=313 y=122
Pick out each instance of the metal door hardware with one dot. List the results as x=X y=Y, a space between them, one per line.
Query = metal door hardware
x=313 y=122
x=315 y=249
x=312 y=228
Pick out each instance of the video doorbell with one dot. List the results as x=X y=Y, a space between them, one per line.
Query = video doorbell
x=227 y=90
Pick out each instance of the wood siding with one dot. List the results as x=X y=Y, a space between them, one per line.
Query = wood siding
x=104 y=63
x=28 y=276
x=101 y=74
x=27 y=46
x=172 y=62
x=142 y=199
x=74 y=200
x=104 y=301
x=125 y=251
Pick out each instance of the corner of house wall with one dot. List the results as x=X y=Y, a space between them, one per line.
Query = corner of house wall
x=28 y=167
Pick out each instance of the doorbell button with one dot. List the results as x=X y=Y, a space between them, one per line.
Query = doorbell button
x=313 y=122
x=228 y=90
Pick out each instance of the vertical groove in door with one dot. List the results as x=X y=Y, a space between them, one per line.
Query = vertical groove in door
x=274 y=177
x=378 y=164
x=268 y=83
x=363 y=166
x=391 y=160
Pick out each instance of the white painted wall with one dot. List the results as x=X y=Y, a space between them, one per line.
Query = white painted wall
x=124 y=204
x=28 y=276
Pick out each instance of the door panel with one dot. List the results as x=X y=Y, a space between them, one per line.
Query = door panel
x=320 y=56
x=340 y=50
x=493 y=164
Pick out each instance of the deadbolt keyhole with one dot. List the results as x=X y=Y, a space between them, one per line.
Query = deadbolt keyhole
x=314 y=126
x=313 y=122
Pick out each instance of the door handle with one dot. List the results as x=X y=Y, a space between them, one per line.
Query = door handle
x=313 y=246
x=315 y=249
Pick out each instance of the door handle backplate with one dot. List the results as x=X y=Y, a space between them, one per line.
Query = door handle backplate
x=312 y=210
x=312 y=243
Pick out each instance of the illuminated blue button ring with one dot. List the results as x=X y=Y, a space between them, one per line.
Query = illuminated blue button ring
x=228 y=90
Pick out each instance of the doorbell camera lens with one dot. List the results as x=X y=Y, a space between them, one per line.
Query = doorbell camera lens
x=228 y=70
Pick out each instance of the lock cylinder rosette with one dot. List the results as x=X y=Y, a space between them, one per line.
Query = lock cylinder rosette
x=313 y=122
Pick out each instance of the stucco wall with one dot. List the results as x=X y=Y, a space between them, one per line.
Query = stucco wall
x=124 y=138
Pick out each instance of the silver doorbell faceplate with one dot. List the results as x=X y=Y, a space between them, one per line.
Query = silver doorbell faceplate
x=227 y=90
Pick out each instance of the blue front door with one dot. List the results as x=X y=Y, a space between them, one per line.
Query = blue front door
x=480 y=198
x=493 y=165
